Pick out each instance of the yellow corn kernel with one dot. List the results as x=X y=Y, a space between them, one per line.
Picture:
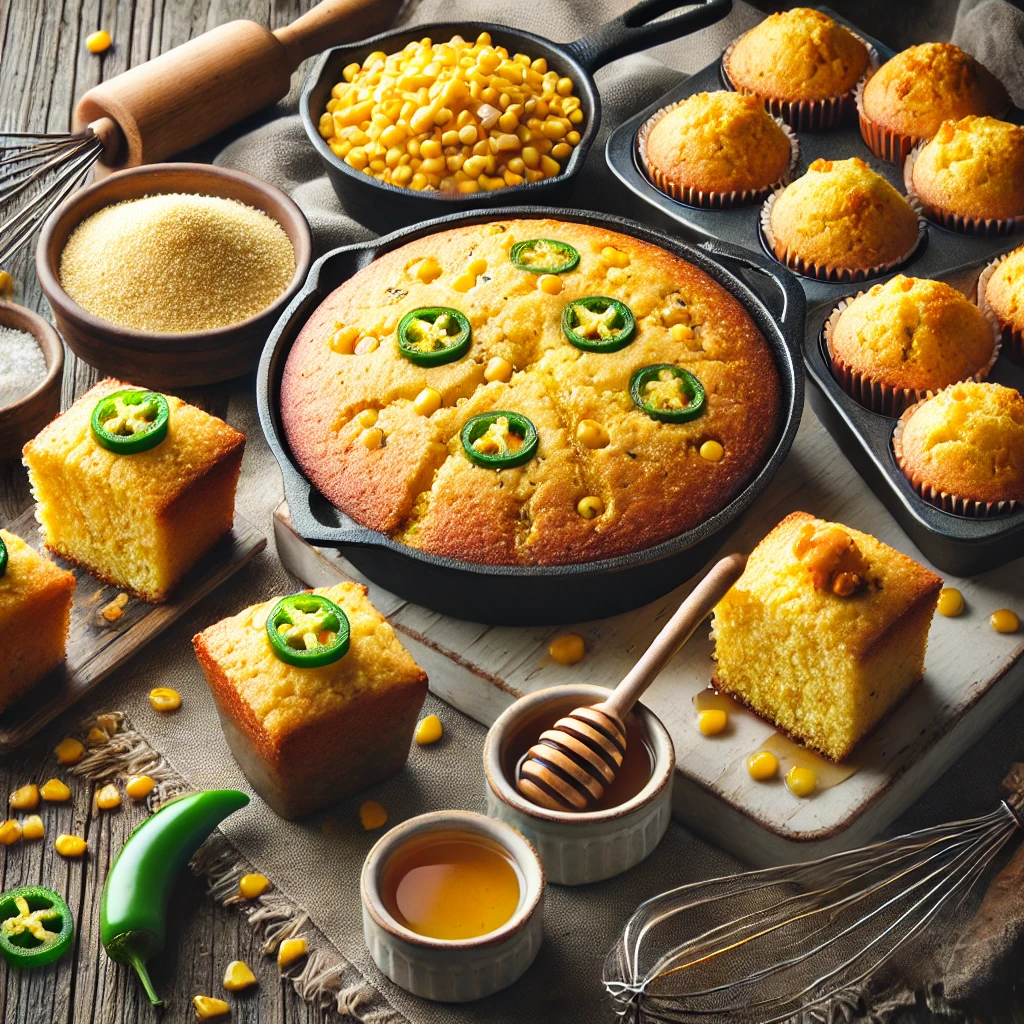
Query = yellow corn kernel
x=163 y=698
x=108 y=798
x=477 y=266
x=576 y=117
x=614 y=257
x=289 y=951
x=367 y=418
x=951 y=602
x=402 y=175
x=427 y=402
x=513 y=179
x=32 y=827
x=573 y=138
x=372 y=438
x=357 y=158
x=552 y=128
x=429 y=730
x=251 y=886
x=238 y=975
x=549 y=168
x=1004 y=621
x=54 y=791
x=498 y=369
x=475 y=166
x=69 y=751
x=70 y=846
x=326 y=126
x=26 y=798
x=372 y=815
x=763 y=765
x=366 y=345
x=464 y=282
x=98 y=42
x=139 y=787
x=531 y=157
x=550 y=284
x=350 y=72
x=6 y=285
x=592 y=434
x=489 y=184
x=426 y=270
x=563 y=86
x=343 y=340
x=468 y=186
x=712 y=721
x=590 y=507
x=712 y=451
x=567 y=649
x=97 y=737
x=681 y=332
x=10 y=832
x=562 y=151
x=207 y=1007
x=801 y=781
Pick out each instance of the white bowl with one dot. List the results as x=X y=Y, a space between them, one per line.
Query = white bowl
x=466 y=969
x=578 y=848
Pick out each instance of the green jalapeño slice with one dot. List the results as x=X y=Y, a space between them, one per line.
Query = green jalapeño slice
x=3 y=557
x=544 y=256
x=128 y=422
x=307 y=630
x=36 y=926
x=433 y=335
x=667 y=393
x=499 y=440
x=597 y=323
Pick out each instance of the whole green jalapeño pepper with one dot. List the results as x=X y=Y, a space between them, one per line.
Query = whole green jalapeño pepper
x=597 y=323
x=129 y=422
x=499 y=440
x=667 y=393
x=3 y=557
x=434 y=335
x=544 y=256
x=133 y=911
x=308 y=630
x=36 y=926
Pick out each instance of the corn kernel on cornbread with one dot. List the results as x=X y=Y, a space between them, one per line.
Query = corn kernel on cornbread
x=824 y=632
x=35 y=609
x=137 y=521
x=306 y=737
x=356 y=418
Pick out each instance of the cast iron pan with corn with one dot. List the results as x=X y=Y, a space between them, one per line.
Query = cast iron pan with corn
x=384 y=206
x=537 y=594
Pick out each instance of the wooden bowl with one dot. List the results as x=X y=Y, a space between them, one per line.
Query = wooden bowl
x=22 y=420
x=162 y=360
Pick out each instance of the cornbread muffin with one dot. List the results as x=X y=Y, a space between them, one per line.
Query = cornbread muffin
x=1002 y=294
x=841 y=216
x=824 y=632
x=306 y=737
x=968 y=443
x=906 y=338
x=363 y=420
x=138 y=521
x=35 y=609
x=717 y=142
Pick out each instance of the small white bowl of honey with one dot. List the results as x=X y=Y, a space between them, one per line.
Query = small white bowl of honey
x=452 y=905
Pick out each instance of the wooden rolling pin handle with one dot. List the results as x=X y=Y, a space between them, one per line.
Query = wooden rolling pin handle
x=114 y=144
x=331 y=23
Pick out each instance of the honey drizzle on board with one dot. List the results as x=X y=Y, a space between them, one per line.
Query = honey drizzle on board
x=790 y=753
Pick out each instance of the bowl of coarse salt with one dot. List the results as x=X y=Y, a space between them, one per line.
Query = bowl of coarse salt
x=31 y=369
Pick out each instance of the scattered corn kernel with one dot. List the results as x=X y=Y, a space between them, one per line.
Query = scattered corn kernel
x=429 y=730
x=98 y=42
x=32 y=827
x=163 y=698
x=712 y=451
x=112 y=612
x=97 y=737
x=682 y=332
x=10 y=832
x=951 y=602
x=550 y=284
x=762 y=765
x=69 y=751
x=372 y=815
x=427 y=402
x=567 y=649
x=592 y=434
x=426 y=270
x=54 y=791
x=1004 y=621
x=70 y=846
x=366 y=345
x=139 y=787
x=208 y=1006
x=289 y=951
x=6 y=285
x=108 y=798
x=590 y=507
x=614 y=257
x=372 y=438
x=498 y=369
x=712 y=721
x=343 y=340
x=25 y=798
x=238 y=975
x=801 y=781
x=251 y=886
x=367 y=417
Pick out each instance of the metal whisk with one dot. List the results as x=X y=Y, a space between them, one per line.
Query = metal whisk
x=795 y=941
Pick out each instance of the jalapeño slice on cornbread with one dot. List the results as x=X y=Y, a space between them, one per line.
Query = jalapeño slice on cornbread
x=667 y=393
x=544 y=256
x=597 y=323
x=128 y=422
x=499 y=440
x=308 y=630
x=434 y=335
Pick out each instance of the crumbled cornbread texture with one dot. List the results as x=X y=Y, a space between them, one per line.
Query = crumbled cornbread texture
x=842 y=214
x=177 y=263
x=824 y=631
x=1005 y=290
x=306 y=737
x=137 y=521
x=35 y=608
x=419 y=486
x=799 y=54
x=918 y=89
x=720 y=142
x=969 y=442
x=913 y=332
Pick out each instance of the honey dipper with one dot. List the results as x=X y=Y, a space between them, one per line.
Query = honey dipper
x=573 y=763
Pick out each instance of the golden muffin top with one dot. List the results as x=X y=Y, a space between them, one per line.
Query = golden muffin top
x=356 y=425
x=918 y=89
x=719 y=142
x=1005 y=290
x=29 y=575
x=842 y=213
x=914 y=333
x=968 y=441
x=800 y=54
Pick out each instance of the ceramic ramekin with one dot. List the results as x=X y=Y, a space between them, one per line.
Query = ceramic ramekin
x=467 y=969
x=578 y=848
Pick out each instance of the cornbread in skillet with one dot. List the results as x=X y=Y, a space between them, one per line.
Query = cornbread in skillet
x=824 y=632
x=306 y=737
x=35 y=609
x=800 y=54
x=718 y=142
x=1004 y=292
x=967 y=441
x=365 y=429
x=137 y=521
x=842 y=214
x=913 y=333
x=973 y=168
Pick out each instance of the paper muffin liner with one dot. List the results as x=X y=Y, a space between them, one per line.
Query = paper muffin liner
x=874 y=394
x=1012 y=338
x=808 y=115
x=709 y=199
x=985 y=226
x=883 y=142
x=827 y=271
x=943 y=500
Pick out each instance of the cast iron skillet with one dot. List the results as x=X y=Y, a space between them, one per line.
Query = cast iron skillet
x=533 y=595
x=385 y=207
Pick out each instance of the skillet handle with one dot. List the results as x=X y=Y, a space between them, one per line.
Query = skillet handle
x=636 y=29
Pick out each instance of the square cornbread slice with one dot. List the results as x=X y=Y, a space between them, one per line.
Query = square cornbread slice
x=137 y=521
x=306 y=737
x=824 y=632
x=35 y=609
